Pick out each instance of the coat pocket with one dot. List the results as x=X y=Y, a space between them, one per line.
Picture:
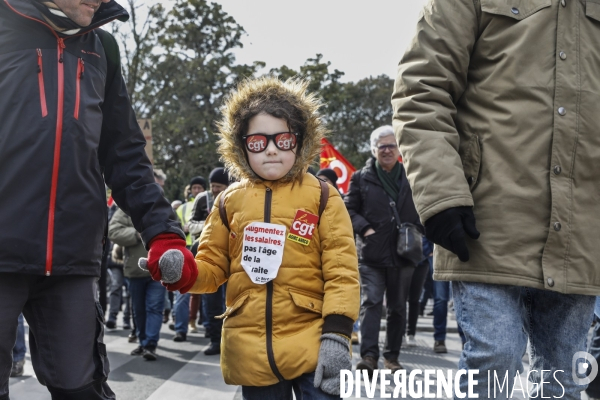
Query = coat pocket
x=592 y=9
x=307 y=301
x=237 y=304
x=516 y=9
x=471 y=161
x=376 y=249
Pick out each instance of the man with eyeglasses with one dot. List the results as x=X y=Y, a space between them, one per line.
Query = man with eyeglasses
x=373 y=191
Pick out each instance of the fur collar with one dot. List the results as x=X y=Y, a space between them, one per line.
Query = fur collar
x=231 y=147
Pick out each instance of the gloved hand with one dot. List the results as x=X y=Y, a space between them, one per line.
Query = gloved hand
x=170 y=262
x=334 y=355
x=448 y=228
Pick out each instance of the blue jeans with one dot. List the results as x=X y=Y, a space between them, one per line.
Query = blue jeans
x=497 y=321
x=302 y=387
x=167 y=301
x=148 y=300
x=203 y=319
x=441 y=296
x=181 y=312
x=213 y=304
x=593 y=389
x=20 y=348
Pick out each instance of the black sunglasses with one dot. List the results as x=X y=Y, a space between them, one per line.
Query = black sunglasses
x=258 y=142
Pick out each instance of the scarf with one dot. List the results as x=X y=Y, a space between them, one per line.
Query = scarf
x=57 y=19
x=389 y=180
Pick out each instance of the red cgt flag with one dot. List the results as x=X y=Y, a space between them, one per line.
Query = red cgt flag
x=331 y=158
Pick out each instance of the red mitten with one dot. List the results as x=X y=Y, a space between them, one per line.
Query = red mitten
x=162 y=243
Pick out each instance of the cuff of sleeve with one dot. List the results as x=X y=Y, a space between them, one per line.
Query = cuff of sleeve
x=444 y=204
x=341 y=340
x=339 y=324
x=153 y=231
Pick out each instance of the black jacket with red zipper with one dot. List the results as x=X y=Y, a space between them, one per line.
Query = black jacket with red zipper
x=61 y=138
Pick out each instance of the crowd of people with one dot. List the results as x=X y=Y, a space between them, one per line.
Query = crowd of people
x=495 y=109
x=382 y=271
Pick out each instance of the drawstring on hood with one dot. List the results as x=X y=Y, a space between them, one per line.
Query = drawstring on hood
x=249 y=95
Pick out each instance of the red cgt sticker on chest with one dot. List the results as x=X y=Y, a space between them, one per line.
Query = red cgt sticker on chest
x=303 y=227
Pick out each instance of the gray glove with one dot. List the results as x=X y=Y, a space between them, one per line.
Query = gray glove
x=170 y=264
x=334 y=356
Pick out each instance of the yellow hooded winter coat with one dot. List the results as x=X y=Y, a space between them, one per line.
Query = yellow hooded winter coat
x=272 y=331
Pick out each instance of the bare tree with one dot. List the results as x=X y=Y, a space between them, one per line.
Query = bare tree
x=136 y=44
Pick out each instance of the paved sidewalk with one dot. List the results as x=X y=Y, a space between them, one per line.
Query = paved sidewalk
x=184 y=372
x=422 y=356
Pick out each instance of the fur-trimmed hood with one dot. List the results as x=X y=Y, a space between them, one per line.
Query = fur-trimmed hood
x=248 y=93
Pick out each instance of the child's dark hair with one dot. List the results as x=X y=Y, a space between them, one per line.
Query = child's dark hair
x=275 y=105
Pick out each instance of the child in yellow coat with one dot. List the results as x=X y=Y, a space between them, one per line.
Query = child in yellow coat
x=285 y=247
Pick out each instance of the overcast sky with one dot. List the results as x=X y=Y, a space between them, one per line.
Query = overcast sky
x=359 y=37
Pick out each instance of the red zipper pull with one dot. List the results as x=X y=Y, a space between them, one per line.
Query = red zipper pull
x=61 y=46
x=39 y=65
x=82 y=68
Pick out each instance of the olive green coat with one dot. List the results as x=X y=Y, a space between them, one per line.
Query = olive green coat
x=497 y=106
x=122 y=232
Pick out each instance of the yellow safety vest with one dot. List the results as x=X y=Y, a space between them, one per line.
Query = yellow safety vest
x=184 y=212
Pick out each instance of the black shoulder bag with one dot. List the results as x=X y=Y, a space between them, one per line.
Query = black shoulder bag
x=410 y=239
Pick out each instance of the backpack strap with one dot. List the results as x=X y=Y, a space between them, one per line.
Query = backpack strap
x=324 y=198
x=113 y=57
x=223 y=212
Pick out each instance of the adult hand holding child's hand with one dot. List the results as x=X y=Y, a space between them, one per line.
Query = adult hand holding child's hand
x=171 y=262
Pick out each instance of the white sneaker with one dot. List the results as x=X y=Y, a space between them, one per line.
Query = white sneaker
x=411 y=341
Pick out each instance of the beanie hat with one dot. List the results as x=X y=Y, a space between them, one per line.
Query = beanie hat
x=330 y=174
x=198 y=180
x=219 y=175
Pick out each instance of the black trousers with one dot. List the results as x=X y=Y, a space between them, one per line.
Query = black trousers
x=395 y=284
x=66 y=334
x=414 y=295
